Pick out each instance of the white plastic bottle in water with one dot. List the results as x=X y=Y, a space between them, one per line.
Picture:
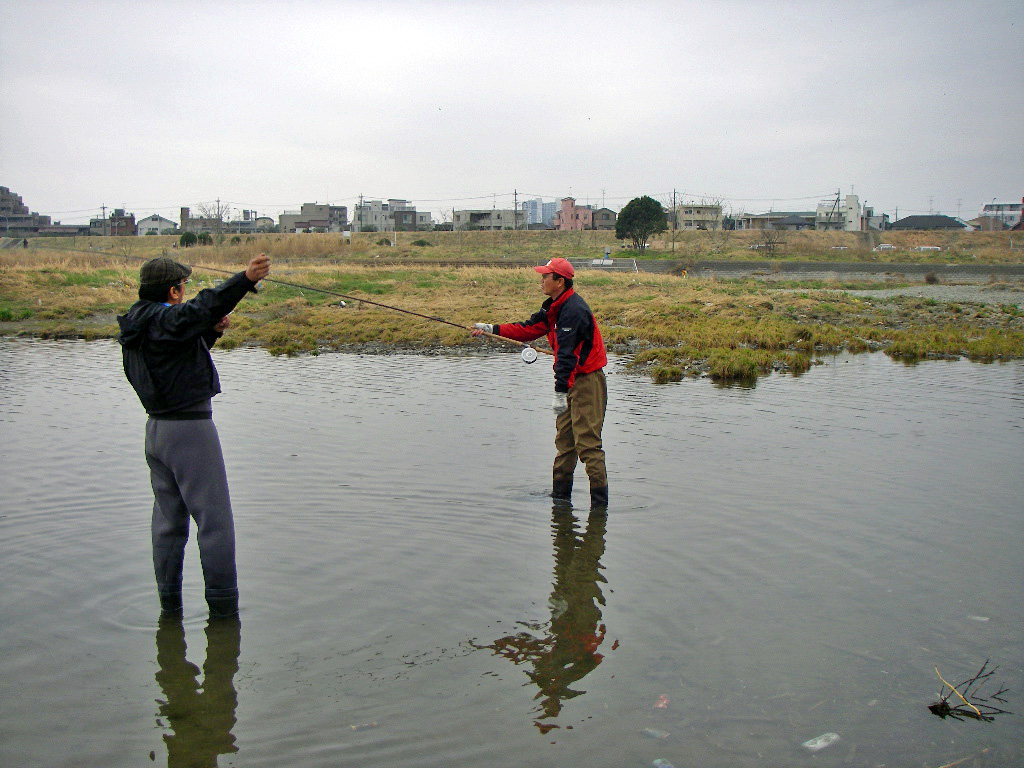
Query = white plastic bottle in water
x=820 y=742
x=661 y=762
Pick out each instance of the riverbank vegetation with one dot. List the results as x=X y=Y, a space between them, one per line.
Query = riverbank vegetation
x=959 y=247
x=667 y=326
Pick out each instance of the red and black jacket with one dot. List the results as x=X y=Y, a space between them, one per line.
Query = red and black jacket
x=572 y=333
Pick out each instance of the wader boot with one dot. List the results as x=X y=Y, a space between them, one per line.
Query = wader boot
x=222 y=602
x=561 y=487
x=170 y=603
x=599 y=499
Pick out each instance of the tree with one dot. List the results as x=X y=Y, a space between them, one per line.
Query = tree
x=188 y=239
x=641 y=218
x=215 y=213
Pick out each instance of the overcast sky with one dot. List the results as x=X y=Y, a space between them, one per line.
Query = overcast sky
x=152 y=105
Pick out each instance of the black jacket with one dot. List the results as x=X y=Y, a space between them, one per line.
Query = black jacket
x=572 y=333
x=166 y=349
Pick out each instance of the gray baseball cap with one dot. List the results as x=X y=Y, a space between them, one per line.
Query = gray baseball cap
x=163 y=270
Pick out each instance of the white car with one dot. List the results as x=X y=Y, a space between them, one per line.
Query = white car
x=884 y=247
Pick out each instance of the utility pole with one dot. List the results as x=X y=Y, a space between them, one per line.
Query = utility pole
x=515 y=209
x=675 y=220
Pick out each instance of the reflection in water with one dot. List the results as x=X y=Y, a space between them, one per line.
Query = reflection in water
x=565 y=650
x=200 y=716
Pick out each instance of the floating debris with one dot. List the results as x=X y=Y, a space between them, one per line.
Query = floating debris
x=654 y=733
x=818 y=743
x=662 y=702
x=972 y=704
x=363 y=726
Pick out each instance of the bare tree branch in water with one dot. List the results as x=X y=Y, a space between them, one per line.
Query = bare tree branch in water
x=970 y=701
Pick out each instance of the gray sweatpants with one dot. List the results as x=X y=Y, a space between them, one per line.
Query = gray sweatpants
x=186 y=468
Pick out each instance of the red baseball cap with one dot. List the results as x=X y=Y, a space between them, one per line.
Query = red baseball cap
x=560 y=267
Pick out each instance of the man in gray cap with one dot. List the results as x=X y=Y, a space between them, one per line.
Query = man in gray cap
x=165 y=343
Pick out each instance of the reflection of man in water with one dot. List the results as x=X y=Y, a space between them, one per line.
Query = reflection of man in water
x=200 y=716
x=567 y=652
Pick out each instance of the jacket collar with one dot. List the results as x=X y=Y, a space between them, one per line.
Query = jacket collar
x=550 y=303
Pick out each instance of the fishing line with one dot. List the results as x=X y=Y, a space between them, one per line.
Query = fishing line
x=529 y=353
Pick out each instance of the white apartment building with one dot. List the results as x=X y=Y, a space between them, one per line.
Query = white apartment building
x=376 y=215
x=698 y=216
x=156 y=224
x=1007 y=214
x=844 y=216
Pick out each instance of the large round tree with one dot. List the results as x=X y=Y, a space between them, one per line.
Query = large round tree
x=641 y=218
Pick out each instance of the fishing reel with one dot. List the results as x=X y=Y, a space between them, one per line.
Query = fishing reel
x=529 y=355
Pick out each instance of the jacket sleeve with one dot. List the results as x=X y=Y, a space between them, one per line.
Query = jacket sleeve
x=528 y=330
x=197 y=316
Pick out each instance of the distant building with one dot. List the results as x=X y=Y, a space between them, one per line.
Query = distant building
x=792 y=223
x=378 y=216
x=573 y=217
x=842 y=215
x=603 y=218
x=118 y=224
x=155 y=224
x=198 y=224
x=538 y=212
x=424 y=221
x=1008 y=215
x=770 y=219
x=931 y=221
x=315 y=217
x=871 y=221
x=15 y=218
x=490 y=218
x=698 y=216
x=63 y=230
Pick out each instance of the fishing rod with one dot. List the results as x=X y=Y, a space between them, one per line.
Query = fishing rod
x=529 y=353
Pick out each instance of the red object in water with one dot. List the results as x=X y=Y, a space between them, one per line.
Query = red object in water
x=662 y=702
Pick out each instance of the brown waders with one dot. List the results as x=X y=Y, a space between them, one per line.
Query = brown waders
x=578 y=437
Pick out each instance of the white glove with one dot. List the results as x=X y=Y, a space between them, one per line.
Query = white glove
x=485 y=327
x=560 y=403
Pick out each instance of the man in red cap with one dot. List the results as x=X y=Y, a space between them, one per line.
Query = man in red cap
x=581 y=391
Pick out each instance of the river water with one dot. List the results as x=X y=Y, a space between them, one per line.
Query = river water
x=778 y=563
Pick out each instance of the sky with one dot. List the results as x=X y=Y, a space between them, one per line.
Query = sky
x=916 y=106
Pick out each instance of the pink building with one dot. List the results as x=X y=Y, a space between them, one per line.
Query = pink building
x=571 y=216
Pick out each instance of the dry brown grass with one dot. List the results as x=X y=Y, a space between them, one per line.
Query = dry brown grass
x=672 y=326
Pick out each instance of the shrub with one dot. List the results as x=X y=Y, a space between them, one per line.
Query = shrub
x=422 y=243
x=188 y=239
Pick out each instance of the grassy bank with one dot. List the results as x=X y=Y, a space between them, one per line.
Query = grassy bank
x=669 y=327
x=535 y=246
